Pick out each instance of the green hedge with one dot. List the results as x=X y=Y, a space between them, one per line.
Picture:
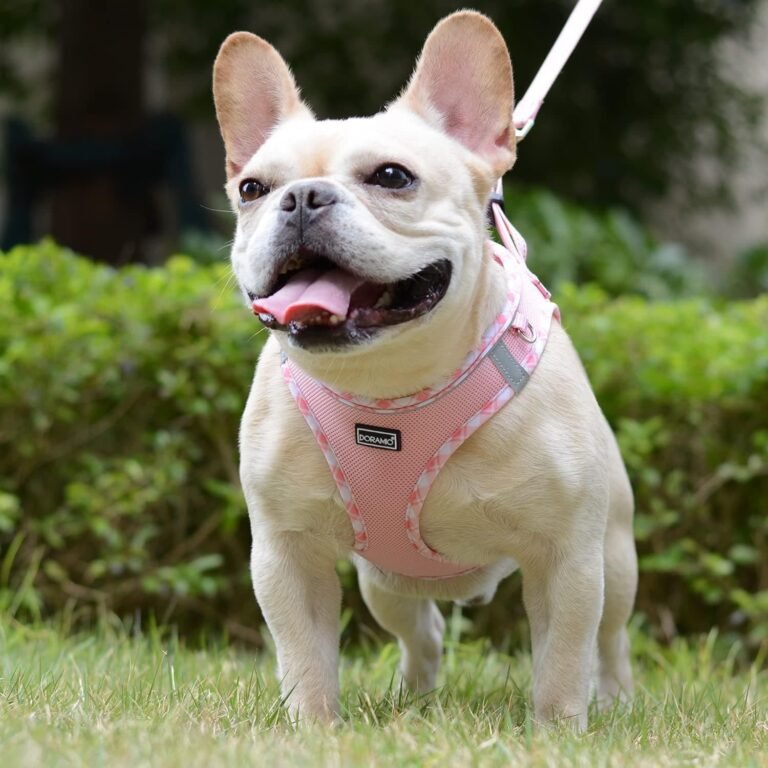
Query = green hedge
x=120 y=394
x=573 y=244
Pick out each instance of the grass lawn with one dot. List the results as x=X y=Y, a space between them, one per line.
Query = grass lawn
x=110 y=699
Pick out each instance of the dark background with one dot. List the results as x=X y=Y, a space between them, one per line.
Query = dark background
x=116 y=154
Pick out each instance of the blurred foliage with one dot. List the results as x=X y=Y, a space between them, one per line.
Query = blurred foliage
x=685 y=385
x=121 y=395
x=641 y=98
x=121 y=391
x=749 y=274
x=573 y=244
x=21 y=22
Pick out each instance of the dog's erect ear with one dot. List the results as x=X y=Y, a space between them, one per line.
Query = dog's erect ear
x=254 y=91
x=463 y=86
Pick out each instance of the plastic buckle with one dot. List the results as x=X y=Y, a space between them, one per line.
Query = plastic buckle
x=521 y=133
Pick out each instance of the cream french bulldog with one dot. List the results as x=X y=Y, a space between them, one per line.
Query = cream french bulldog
x=363 y=245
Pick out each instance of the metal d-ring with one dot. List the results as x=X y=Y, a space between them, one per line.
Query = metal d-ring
x=529 y=335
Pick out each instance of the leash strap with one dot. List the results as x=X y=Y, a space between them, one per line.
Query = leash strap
x=528 y=107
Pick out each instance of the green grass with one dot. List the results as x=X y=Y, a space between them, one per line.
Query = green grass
x=107 y=698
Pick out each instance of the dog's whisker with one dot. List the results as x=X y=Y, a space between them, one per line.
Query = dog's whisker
x=257 y=334
x=226 y=282
x=226 y=278
x=217 y=210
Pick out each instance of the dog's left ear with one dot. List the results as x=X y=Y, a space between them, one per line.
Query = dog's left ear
x=463 y=86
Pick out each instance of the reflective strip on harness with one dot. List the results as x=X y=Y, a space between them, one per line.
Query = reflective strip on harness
x=508 y=367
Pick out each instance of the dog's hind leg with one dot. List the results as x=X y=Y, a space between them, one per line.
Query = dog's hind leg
x=614 y=671
x=418 y=626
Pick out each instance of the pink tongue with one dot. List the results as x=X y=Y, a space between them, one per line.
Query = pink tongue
x=309 y=291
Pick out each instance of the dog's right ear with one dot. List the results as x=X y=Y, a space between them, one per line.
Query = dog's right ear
x=254 y=91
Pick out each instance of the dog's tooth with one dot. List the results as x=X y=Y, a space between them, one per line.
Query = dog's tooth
x=334 y=319
x=293 y=263
x=384 y=300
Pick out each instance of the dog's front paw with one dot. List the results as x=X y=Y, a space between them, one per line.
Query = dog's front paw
x=557 y=716
x=420 y=659
x=312 y=712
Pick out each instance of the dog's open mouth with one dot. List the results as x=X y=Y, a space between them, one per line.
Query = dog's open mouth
x=314 y=299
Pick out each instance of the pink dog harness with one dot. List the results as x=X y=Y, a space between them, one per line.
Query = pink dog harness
x=385 y=454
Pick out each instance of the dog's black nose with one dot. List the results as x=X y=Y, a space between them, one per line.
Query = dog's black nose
x=304 y=201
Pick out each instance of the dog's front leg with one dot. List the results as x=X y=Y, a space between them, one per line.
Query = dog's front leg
x=296 y=585
x=564 y=601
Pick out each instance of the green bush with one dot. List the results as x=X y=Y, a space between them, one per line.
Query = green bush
x=685 y=385
x=749 y=274
x=120 y=394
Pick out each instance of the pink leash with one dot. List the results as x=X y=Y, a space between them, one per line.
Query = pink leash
x=528 y=107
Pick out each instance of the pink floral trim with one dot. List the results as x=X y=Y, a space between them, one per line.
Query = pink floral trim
x=437 y=462
x=448 y=448
x=495 y=331
x=355 y=518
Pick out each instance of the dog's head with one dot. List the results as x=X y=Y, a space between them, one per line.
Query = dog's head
x=359 y=234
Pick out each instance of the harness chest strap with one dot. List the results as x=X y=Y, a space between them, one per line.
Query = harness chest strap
x=385 y=455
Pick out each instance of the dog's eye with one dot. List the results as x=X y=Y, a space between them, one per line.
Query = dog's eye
x=391 y=177
x=251 y=189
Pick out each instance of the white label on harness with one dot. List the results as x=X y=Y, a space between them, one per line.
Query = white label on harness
x=377 y=437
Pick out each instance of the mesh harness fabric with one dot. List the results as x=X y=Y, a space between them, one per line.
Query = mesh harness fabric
x=385 y=455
